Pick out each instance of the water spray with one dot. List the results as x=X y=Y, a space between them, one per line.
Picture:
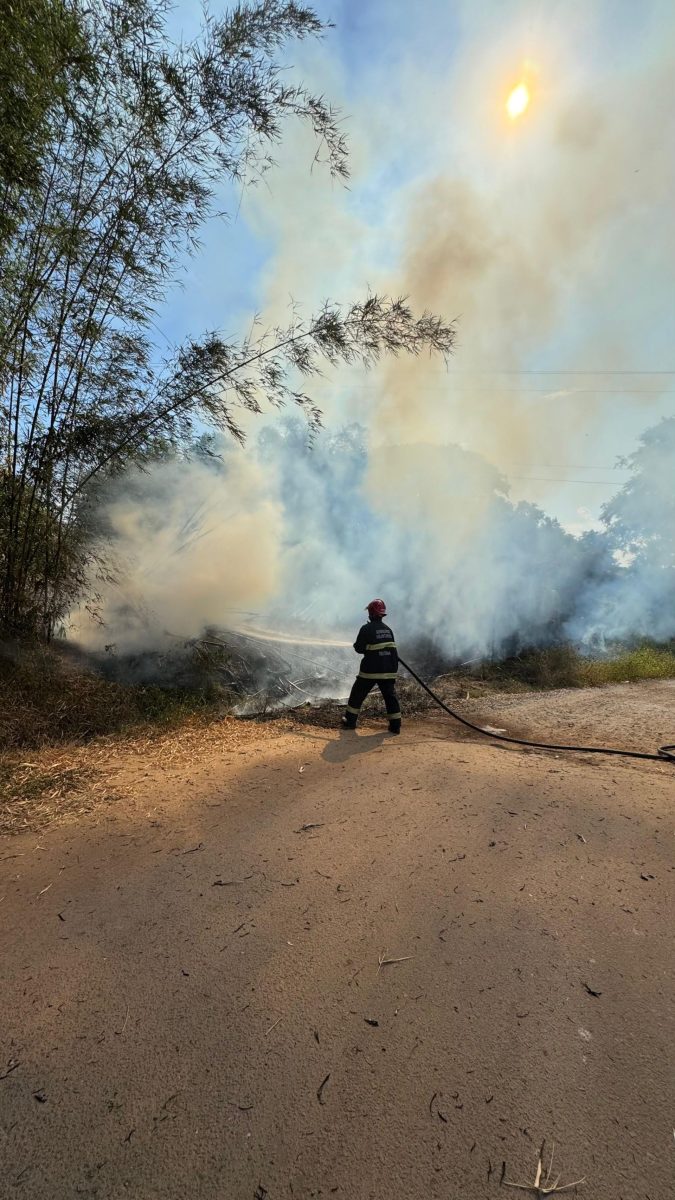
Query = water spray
x=663 y=754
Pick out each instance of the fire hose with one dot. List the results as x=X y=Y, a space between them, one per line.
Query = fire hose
x=663 y=754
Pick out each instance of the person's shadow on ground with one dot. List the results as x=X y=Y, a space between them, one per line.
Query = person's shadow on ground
x=350 y=743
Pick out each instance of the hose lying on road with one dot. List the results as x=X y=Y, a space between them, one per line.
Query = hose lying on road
x=664 y=753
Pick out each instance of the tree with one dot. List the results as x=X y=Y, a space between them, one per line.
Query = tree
x=640 y=518
x=40 y=41
x=134 y=146
x=637 y=598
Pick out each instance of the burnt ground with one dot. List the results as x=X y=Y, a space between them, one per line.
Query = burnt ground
x=193 y=993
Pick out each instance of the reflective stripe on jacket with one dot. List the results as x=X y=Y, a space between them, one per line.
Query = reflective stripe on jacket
x=375 y=641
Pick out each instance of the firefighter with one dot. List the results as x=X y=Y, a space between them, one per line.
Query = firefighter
x=375 y=641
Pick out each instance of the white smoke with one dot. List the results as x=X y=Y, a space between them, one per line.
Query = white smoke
x=188 y=544
x=298 y=538
x=637 y=598
x=554 y=242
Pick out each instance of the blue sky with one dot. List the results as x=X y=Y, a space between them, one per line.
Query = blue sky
x=550 y=237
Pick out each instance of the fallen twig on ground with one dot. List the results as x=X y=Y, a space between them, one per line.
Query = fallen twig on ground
x=383 y=961
x=542 y=1186
x=441 y=1115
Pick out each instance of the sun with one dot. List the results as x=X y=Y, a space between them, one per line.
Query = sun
x=518 y=101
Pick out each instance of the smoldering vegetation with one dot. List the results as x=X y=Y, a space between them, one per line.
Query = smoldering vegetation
x=252 y=566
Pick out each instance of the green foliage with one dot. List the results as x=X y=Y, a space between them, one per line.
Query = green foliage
x=40 y=45
x=641 y=517
x=135 y=137
x=562 y=667
x=629 y=666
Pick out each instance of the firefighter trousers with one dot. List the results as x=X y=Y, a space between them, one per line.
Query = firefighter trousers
x=359 y=692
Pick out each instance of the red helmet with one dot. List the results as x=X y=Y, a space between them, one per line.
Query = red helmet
x=377 y=608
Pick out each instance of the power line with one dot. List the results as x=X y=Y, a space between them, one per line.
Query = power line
x=544 y=479
x=453 y=390
x=544 y=390
x=563 y=466
x=527 y=371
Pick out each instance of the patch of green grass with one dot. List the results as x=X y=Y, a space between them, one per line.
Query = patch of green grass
x=563 y=667
x=644 y=662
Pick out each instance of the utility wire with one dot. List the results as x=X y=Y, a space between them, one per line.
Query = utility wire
x=528 y=371
x=544 y=390
x=565 y=466
x=546 y=479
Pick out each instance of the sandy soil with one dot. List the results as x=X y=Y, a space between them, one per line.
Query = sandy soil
x=632 y=716
x=191 y=992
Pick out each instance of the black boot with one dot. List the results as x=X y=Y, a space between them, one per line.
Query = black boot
x=395 y=726
x=348 y=721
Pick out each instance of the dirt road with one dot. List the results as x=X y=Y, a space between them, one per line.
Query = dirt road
x=193 y=1004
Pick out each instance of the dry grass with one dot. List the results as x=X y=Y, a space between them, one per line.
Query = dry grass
x=67 y=736
x=71 y=742
x=44 y=700
x=57 y=783
x=32 y=795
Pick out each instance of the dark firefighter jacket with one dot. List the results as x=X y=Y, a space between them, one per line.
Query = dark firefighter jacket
x=375 y=641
